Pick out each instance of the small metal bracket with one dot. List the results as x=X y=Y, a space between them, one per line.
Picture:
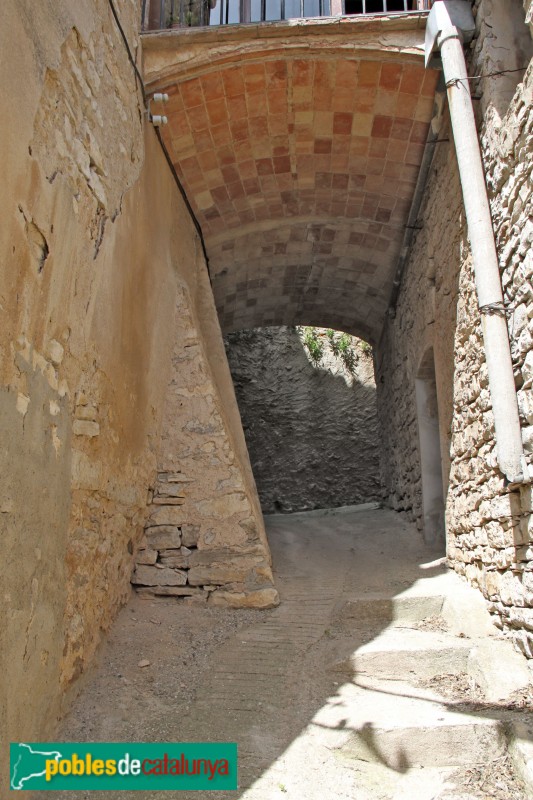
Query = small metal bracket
x=448 y=16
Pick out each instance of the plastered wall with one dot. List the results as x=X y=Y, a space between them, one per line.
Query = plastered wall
x=96 y=249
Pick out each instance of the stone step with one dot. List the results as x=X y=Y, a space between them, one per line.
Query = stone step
x=376 y=608
x=392 y=723
x=408 y=653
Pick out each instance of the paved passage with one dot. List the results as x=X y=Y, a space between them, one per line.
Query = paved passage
x=331 y=695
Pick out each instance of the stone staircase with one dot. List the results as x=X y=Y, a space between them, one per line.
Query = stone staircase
x=430 y=697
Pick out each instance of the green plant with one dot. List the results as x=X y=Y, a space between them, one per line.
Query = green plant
x=330 y=333
x=313 y=344
x=365 y=347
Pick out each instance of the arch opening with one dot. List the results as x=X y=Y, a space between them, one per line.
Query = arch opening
x=307 y=400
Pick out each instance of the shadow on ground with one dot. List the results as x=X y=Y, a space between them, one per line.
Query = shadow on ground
x=284 y=683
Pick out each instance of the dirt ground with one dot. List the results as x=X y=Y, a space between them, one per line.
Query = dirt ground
x=262 y=678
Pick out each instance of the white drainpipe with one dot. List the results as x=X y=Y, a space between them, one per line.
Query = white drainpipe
x=450 y=23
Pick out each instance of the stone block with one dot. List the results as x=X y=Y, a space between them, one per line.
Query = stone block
x=152 y=576
x=175 y=561
x=169 y=591
x=85 y=427
x=220 y=573
x=264 y=598
x=163 y=537
x=190 y=535
x=224 y=507
x=167 y=515
x=147 y=557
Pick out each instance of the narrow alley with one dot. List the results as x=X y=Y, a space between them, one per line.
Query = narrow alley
x=367 y=682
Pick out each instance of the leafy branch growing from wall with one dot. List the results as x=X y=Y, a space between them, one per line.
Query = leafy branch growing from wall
x=342 y=346
x=314 y=345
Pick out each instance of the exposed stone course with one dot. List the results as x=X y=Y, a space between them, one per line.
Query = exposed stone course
x=488 y=523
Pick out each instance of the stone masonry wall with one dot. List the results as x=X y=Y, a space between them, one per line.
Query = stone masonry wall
x=99 y=261
x=489 y=528
x=311 y=429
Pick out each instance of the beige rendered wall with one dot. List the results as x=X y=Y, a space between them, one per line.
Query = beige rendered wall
x=96 y=250
x=489 y=527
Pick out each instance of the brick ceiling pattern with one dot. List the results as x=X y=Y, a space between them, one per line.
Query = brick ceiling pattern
x=301 y=173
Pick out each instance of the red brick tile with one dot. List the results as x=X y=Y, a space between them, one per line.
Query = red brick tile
x=212 y=87
x=221 y=134
x=198 y=118
x=190 y=166
x=230 y=173
x=359 y=146
x=226 y=156
x=369 y=73
x=251 y=186
x=412 y=79
x=346 y=75
x=247 y=169
x=390 y=76
x=322 y=146
x=264 y=166
x=203 y=141
x=258 y=127
x=323 y=180
x=302 y=73
x=364 y=100
x=340 y=181
x=217 y=111
x=207 y=161
x=401 y=128
x=277 y=102
x=343 y=100
x=233 y=81
x=419 y=132
x=340 y=162
x=382 y=126
x=324 y=77
x=342 y=122
x=235 y=189
x=405 y=105
x=254 y=78
x=378 y=148
x=239 y=130
x=375 y=166
x=237 y=106
x=282 y=164
x=276 y=74
x=191 y=93
x=383 y=215
x=277 y=124
x=396 y=150
x=414 y=154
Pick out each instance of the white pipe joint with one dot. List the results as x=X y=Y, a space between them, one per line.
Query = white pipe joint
x=451 y=23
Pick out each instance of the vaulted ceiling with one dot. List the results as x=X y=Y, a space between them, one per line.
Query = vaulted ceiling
x=299 y=149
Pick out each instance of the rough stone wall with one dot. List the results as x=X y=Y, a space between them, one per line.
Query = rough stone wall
x=488 y=526
x=204 y=538
x=96 y=248
x=311 y=430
